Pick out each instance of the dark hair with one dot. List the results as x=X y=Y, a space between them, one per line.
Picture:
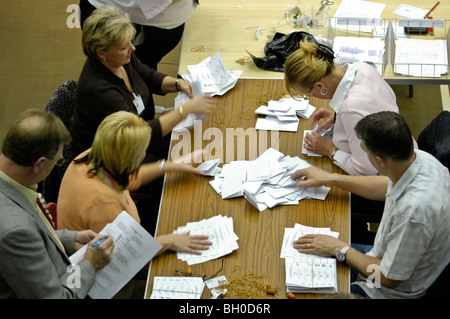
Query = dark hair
x=386 y=134
x=33 y=135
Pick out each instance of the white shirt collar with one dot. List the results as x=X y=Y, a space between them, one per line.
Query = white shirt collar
x=341 y=90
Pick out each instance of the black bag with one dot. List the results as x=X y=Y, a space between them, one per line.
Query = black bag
x=279 y=49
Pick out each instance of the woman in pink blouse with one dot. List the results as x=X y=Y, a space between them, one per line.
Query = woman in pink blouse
x=355 y=90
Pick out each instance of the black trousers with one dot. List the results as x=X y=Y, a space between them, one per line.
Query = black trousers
x=158 y=42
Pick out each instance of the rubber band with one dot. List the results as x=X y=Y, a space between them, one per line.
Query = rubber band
x=199 y=48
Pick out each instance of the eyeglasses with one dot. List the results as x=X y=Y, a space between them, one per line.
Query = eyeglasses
x=305 y=95
x=59 y=162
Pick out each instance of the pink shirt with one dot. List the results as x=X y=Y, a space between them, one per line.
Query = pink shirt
x=362 y=91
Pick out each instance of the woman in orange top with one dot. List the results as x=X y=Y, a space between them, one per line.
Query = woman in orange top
x=96 y=186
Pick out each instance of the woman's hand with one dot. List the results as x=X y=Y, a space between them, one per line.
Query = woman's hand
x=184 y=243
x=326 y=115
x=318 y=144
x=185 y=87
x=199 y=105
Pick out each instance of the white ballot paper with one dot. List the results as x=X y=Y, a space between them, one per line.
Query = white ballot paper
x=265 y=182
x=177 y=288
x=306 y=273
x=133 y=248
x=219 y=230
x=282 y=115
x=311 y=275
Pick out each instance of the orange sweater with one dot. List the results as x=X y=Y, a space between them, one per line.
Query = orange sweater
x=87 y=202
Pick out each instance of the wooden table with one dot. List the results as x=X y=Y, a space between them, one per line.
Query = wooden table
x=188 y=198
x=229 y=26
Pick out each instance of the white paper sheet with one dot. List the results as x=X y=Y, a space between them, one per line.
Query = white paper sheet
x=134 y=247
x=177 y=288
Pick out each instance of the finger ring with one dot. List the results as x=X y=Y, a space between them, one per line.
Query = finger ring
x=308 y=245
x=309 y=143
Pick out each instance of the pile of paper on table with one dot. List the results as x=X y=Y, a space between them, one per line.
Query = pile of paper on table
x=209 y=77
x=177 y=288
x=220 y=232
x=307 y=273
x=282 y=115
x=266 y=181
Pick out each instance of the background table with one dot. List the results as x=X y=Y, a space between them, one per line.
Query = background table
x=188 y=198
x=229 y=26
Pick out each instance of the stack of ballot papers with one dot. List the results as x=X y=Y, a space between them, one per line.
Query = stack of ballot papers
x=209 y=77
x=311 y=275
x=266 y=181
x=418 y=57
x=292 y=234
x=220 y=232
x=177 y=288
x=307 y=273
x=352 y=49
x=282 y=115
x=362 y=11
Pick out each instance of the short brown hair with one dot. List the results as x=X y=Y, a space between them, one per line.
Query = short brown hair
x=33 y=135
x=105 y=28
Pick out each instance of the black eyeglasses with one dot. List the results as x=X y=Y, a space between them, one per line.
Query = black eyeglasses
x=59 y=162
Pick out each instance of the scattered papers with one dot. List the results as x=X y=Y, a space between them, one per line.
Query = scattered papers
x=282 y=115
x=210 y=168
x=307 y=273
x=177 y=288
x=133 y=248
x=424 y=58
x=265 y=182
x=220 y=232
x=209 y=77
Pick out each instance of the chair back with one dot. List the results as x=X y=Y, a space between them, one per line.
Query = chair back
x=435 y=138
x=61 y=104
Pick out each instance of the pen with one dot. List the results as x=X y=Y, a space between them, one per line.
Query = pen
x=99 y=242
x=429 y=12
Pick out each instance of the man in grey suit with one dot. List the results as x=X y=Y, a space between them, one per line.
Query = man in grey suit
x=34 y=259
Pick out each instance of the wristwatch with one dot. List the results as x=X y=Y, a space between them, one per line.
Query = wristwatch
x=340 y=255
x=333 y=153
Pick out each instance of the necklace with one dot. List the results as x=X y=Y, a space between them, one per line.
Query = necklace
x=105 y=176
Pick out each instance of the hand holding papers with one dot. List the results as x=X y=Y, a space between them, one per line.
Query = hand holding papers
x=219 y=230
x=209 y=77
x=308 y=273
x=134 y=247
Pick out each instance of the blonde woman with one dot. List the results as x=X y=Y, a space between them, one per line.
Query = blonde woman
x=355 y=90
x=113 y=79
x=96 y=186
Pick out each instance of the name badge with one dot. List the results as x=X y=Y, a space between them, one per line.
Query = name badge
x=138 y=103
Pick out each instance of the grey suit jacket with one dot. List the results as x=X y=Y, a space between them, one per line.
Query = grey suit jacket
x=32 y=263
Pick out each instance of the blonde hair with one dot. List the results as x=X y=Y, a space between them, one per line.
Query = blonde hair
x=105 y=28
x=306 y=66
x=118 y=146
